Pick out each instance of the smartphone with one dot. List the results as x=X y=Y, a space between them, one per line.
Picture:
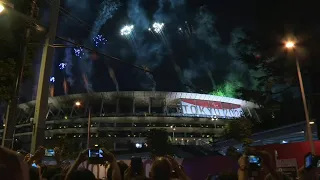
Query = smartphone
x=254 y=161
x=49 y=153
x=95 y=156
x=136 y=165
x=34 y=165
x=308 y=161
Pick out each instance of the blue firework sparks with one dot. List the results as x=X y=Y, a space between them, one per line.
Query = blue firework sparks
x=78 y=52
x=99 y=40
x=52 y=79
x=62 y=66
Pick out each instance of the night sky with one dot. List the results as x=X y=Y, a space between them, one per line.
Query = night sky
x=200 y=61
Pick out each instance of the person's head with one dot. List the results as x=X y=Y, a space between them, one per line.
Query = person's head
x=11 y=166
x=34 y=173
x=161 y=169
x=83 y=174
x=58 y=177
x=122 y=166
x=281 y=176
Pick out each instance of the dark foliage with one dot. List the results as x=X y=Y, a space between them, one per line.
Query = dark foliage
x=240 y=130
x=158 y=142
x=263 y=51
x=12 y=32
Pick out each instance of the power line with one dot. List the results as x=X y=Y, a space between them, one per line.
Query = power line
x=105 y=55
x=78 y=20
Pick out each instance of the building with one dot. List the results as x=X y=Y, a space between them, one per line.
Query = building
x=282 y=135
x=190 y=118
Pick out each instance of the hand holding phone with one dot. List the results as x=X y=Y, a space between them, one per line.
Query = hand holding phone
x=136 y=165
x=96 y=156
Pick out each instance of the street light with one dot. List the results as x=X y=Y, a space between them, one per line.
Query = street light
x=290 y=45
x=78 y=104
x=1 y=8
x=173 y=129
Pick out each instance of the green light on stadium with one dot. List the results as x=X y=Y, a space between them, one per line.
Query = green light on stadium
x=228 y=89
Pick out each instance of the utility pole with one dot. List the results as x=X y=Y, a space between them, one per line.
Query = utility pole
x=11 y=120
x=38 y=130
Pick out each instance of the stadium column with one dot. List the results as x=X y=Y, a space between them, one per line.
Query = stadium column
x=38 y=131
x=150 y=105
x=11 y=118
x=165 y=108
x=117 y=105
x=133 y=105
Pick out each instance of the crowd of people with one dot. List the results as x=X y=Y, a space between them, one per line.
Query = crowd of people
x=19 y=166
x=15 y=166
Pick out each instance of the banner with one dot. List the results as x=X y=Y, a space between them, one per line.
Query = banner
x=210 y=108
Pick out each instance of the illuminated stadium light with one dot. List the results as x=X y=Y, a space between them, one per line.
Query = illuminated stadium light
x=157 y=27
x=78 y=103
x=126 y=30
x=189 y=106
x=138 y=145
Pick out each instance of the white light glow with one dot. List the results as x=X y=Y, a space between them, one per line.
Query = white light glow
x=289 y=44
x=1 y=8
x=52 y=79
x=157 y=27
x=62 y=66
x=78 y=103
x=138 y=145
x=126 y=30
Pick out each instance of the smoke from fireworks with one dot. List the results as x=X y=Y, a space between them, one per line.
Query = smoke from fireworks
x=68 y=61
x=107 y=10
x=65 y=87
x=137 y=14
x=205 y=30
x=51 y=90
x=113 y=77
x=151 y=52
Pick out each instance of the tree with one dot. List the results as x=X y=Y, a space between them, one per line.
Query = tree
x=106 y=142
x=158 y=142
x=12 y=31
x=240 y=130
x=262 y=48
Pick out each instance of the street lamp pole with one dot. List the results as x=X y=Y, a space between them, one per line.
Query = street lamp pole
x=89 y=127
x=291 y=45
x=306 y=112
x=12 y=105
x=38 y=131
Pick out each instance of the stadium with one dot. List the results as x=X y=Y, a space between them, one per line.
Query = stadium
x=122 y=117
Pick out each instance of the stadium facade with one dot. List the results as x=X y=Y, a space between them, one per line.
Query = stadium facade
x=190 y=118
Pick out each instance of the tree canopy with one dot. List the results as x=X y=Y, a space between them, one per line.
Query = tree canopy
x=12 y=31
x=158 y=142
x=262 y=48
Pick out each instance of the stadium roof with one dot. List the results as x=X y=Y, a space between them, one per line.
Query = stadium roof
x=141 y=97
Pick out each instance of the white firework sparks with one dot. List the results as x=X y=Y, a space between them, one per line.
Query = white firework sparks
x=126 y=30
x=157 y=27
